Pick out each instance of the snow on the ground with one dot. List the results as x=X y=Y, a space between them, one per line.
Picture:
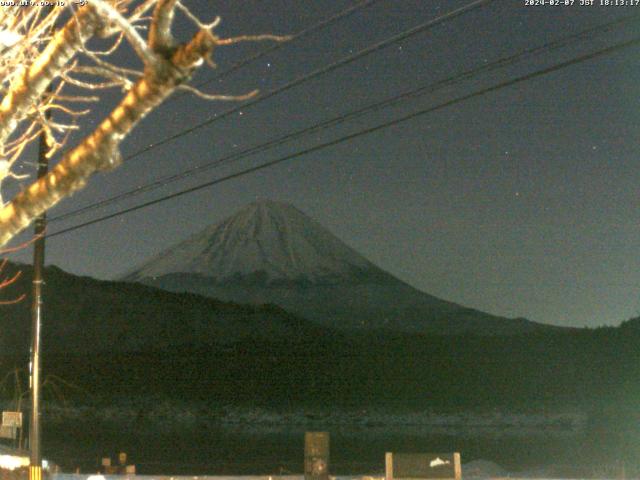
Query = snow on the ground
x=182 y=415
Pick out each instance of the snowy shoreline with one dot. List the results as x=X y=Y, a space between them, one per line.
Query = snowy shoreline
x=167 y=415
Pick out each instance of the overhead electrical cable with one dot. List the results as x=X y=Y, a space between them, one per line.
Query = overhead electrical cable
x=523 y=78
x=420 y=91
x=321 y=71
x=277 y=46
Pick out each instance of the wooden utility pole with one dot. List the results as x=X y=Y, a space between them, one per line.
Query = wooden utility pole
x=35 y=456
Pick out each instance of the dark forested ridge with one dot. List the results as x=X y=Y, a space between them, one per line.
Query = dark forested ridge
x=84 y=315
x=576 y=369
x=114 y=338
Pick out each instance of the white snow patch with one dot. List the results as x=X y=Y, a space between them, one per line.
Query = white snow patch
x=438 y=461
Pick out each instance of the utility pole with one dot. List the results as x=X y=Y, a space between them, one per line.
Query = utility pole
x=35 y=457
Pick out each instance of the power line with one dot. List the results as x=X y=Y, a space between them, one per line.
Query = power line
x=321 y=71
x=470 y=73
x=478 y=93
x=277 y=46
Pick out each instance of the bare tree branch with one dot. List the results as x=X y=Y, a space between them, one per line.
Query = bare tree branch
x=104 y=9
x=8 y=282
x=31 y=84
x=167 y=67
x=160 y=37
x=209 y=96
x=100 y=150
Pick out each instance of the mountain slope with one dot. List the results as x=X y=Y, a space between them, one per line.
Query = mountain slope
x=271 y=252
x=274 y=240
x=87 y=315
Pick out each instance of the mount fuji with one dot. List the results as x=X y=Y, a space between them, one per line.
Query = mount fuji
x=271 y=252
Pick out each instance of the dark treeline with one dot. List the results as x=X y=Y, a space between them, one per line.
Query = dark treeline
x=584 y=369
x=114 y=338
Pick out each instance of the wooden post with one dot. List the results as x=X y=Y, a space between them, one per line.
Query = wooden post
x=316 y=456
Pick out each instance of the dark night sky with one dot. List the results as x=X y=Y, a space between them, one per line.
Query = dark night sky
x=520 y=203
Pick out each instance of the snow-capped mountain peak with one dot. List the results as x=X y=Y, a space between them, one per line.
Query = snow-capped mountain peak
x=271 y=252
x=271 y=240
